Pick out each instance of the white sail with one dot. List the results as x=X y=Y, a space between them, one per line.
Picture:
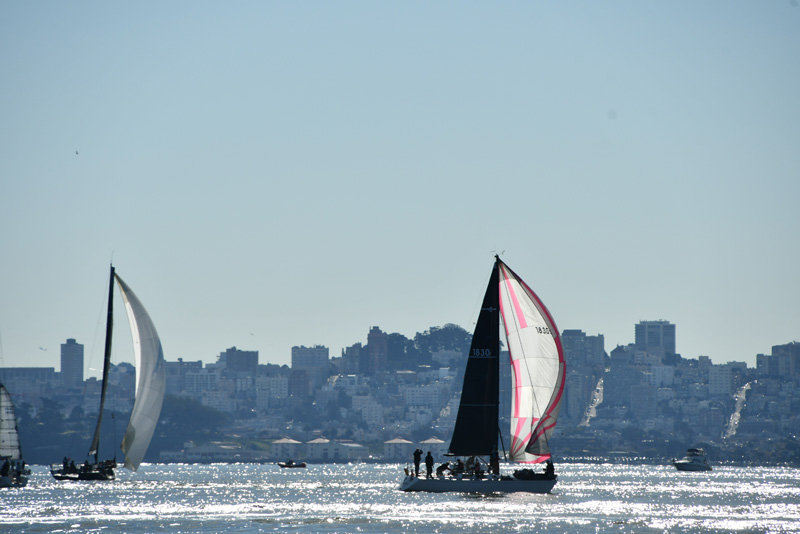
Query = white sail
x=9 y=436
x=150 y=380
x=537 y=363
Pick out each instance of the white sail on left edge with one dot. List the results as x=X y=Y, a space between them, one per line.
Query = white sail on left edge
x=150 y=379
x=9 y=437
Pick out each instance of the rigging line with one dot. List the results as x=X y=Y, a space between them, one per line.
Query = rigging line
x=90 y=359
x=502 y=444
x=478 y=304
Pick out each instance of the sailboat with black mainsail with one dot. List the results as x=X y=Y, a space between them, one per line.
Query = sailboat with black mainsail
x=13 y=471
x=150 y=385
x=537 y=376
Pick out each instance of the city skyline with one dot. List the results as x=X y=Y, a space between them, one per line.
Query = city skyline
x=272 y=175
x=315 y=350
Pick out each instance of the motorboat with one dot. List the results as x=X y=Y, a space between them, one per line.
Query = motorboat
x=291 y=463
x=695 y=460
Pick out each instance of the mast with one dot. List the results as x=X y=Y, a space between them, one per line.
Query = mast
x=93 y=449
x=477 y=423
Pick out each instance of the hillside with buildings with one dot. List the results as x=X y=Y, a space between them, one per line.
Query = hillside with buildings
x=383 y=399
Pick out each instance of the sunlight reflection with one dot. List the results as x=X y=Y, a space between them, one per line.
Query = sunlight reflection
x=364 y=498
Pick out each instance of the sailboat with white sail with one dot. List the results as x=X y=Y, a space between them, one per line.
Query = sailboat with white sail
x=150 y=386
x=13 y=471
x=537 y=380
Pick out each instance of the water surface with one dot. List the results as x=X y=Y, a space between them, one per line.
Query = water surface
x=364 y=498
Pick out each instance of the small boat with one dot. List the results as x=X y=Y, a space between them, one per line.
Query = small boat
x=537 y=379
x=150 y=385
x=13 y=471
x=695 y=460
x=291 y=463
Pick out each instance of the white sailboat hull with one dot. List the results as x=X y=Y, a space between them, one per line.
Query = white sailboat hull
x=471 y=485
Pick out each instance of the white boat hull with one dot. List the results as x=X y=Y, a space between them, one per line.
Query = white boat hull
x=471 y=485
x=16 y=482
x=691 y=466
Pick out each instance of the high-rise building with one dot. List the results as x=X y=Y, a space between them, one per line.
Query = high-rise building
x=720 y=380
x=176 y=374
x=378 y=350
x=655 y=336
x=787 y=358
x=71 y=363
x=580 y=349
x=354 y=359
x=310 y=357
x=237 y=360
x=310 y=364
x=767 y=365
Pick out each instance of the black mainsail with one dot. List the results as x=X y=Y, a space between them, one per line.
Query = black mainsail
x=93 y=448
x=477 y=423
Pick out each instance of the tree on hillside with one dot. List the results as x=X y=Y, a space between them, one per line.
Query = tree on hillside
x=183 y=420
x=447 y=337
x=408 y=354
x=398 y=356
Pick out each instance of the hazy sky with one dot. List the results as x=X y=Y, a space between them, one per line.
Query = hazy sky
x=271 y=174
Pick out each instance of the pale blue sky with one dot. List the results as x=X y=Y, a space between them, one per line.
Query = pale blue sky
x=270 y=174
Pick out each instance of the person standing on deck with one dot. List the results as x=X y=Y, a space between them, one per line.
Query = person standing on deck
x=494 y=464
x=429 y=464
x=417 y=458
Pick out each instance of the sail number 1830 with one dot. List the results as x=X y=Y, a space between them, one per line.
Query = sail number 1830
x=543 y=329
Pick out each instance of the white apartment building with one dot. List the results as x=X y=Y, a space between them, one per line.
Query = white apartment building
x=720 y=380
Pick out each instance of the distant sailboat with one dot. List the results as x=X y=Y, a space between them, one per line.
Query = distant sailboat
x=13 y=472
x=150 y=385
x=538 y=371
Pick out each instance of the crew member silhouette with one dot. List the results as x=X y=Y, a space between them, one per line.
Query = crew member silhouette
x=429 y=464
x=417 y=458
